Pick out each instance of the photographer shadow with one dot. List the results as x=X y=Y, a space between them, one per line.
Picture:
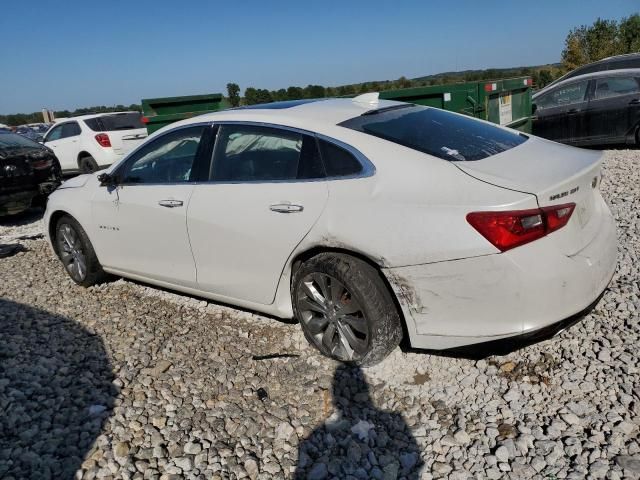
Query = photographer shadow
x=358 y=441
x=55 y=392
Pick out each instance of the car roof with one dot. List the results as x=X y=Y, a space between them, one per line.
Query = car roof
x=92 y=115
x=588 y=76
x=616 y=62
x=311 y=114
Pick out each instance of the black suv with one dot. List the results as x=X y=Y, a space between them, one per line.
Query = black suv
x=29 y=172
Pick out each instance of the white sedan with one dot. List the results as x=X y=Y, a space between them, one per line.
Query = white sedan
x=367 y=220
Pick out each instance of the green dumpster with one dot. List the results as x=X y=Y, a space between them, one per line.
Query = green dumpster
x=505 y=102
x=158 y=112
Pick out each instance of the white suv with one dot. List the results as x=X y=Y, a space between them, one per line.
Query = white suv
x=90 y=142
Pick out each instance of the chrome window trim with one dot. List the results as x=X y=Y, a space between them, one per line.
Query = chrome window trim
x=368 y=168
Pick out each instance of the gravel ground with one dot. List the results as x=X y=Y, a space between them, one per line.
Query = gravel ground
x=128 y=381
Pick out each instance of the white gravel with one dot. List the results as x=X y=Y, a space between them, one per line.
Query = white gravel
x=128 y=381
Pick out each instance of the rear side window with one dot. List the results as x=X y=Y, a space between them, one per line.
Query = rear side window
x=247 y=153
x=437 y=132
x=615 y=86
x=337 y=161
x=116 y=121
x=70 y=129
x=563 y=95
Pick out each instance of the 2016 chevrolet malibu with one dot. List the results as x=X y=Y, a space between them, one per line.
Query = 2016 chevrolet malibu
x=367 y=220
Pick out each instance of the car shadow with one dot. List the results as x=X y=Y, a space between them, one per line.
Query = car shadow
x=56 y=391
x=358 y=440
x=31 y=215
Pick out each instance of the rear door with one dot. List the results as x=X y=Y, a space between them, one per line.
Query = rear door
x=614 y=109
x=141 y=223
x=561 y=113
x=266 y=190
x=64 y=139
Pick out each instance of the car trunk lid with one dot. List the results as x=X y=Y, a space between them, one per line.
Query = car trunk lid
x=556 y=174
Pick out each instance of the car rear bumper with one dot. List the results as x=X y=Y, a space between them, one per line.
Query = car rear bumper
x=475 y=300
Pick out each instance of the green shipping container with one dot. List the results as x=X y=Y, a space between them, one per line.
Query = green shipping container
x=505 y=102
x=158 y=112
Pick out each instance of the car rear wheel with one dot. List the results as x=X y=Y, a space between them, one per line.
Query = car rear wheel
x=345 y=309
x=77 y=254
x=88 y=164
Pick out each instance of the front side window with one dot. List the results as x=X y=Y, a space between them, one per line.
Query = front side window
x=615 y=86
x=167 y=159
x=247 y=153
x=436 y=132
x=564 y=95
x=54 y=134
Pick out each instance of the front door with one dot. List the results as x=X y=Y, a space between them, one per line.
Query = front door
x=561 y=112
x=63 y=140
x=141 y=221
x=614 y=108
x=264 y=195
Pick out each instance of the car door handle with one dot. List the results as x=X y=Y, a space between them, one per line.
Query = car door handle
x=635 y=101
x=573 y=111
x=170 y=203
x=285 y=208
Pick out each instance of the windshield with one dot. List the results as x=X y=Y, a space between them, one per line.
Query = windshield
x=116 y=121
x=9 y=140
x=436 y=132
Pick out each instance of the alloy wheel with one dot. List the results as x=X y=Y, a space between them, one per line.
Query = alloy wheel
x=71 y=252
x=332 y=316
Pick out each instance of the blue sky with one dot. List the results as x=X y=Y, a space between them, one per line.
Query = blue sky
x=68 y=54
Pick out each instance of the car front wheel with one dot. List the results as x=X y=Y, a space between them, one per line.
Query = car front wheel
x=77 y=254
x=345 y=309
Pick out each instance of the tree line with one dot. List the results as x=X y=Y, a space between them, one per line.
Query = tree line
x=583 y=44
x=36 y=117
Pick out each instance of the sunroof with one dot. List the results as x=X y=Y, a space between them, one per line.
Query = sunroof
x=279 y=105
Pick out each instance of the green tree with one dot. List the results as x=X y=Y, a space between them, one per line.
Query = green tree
x=629 y=34
x=604 y=38
x=314 y=91
x=250 y=96
x=233 y=92
x=294 y=93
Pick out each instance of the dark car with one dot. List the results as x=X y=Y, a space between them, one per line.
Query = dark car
x=29 y=172
x=629 y=60
x=592 y=109
x=30 y=133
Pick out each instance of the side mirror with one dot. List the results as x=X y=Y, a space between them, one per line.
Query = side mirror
x=107 y=180
x=534 y=108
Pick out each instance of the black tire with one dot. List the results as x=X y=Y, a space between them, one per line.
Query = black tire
x=88 y=164
x=375 y=328
x=72 y=244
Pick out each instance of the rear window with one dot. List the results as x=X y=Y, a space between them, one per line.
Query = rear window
x=116 y=121
x=436 y=132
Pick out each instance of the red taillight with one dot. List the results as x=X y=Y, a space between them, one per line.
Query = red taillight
x=506 y=230
x=103 y=140
x=558 y=215
x=145 y=120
